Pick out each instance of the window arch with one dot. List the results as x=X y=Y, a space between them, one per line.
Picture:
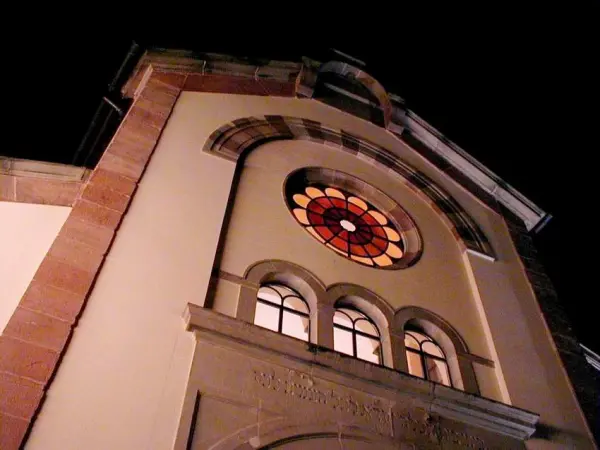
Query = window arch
x=355 y=334
x=281 y=309
x=459 y=361
x=425 y=357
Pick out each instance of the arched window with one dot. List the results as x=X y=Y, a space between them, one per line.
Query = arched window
x=425 y=358
x=281 y=309
x=356 y=335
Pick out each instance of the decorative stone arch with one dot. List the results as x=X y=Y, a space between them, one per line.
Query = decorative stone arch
x=460 y=361
x=233 y=139
x=366 y=301
x=289 y=274
x=274 y=434
x=349 y=71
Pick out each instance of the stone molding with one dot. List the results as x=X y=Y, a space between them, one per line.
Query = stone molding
x=447 y=402
x=38 y=182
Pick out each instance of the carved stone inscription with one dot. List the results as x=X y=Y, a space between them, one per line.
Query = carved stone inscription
x=426 y=427
x=302 y=387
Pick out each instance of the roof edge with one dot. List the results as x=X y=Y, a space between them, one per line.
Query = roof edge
x=402 y=118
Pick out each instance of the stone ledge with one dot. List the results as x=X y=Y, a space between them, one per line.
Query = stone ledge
x=447 y=402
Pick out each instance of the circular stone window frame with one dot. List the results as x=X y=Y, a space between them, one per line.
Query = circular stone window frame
x=301 y=178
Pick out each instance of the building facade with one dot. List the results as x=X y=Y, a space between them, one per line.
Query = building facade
x=281 y=255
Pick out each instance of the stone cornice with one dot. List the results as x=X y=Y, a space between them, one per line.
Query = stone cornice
x=39 y=182
x=447 y=402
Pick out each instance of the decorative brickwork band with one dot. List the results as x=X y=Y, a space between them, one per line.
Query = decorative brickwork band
x=233 y=139
x=37 y=335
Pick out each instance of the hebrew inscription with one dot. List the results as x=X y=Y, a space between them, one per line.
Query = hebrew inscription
x=301 y=386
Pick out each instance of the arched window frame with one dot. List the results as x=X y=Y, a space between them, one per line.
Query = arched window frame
x=346 y=295
x=281 y=308
x=458 y=357
x=390 y=324
x=423 y=354
x=290 y=275
x=355 y=332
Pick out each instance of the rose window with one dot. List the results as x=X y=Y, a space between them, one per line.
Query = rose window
x=348 y=225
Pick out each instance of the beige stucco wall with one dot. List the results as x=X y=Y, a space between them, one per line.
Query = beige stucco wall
x=123 y=378
x=262 y=228
x=26 y=233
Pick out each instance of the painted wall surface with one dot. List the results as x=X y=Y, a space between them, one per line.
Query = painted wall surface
x=122 y=381
x=262 y=228
x=26 y=233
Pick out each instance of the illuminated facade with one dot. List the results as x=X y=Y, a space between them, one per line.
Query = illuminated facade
x=282 y=256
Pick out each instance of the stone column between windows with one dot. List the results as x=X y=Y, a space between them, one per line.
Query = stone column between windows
x=323 y=319
x=246 y=307
x=398 y=351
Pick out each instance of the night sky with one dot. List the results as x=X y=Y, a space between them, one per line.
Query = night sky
x=497 y=92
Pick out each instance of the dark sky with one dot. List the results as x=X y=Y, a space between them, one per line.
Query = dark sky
x=496 y=90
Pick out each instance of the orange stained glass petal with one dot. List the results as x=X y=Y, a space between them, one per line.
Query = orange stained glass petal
x=314 y=219
x=324 y=231
x=338 y=242
x=379 y=243
x=383 y=260
x=373 y=250
x=324 y=202
x=300 y=215
x=358 y=250
x=312 y=231
x=370 y=220
x=338 y=202
x=355 y=209
x=367 y=261
x=335 y=193
x=316 y=207
x=378 y=217
x=392 y=234
x=358 y=202
x=313 y=192
x=394 y=251
x=379 y=231
x=301 y=200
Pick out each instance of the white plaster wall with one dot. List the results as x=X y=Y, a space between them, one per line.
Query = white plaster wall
x=122 y=381
x=26 y=233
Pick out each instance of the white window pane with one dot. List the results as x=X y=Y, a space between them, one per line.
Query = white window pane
x=296 y=304
x=267 y=316
x=342 y=319
x=367 y=349
x=352 y=313
x=410 y=341
x=295 y=326
x=342 y=341
x=432 y=349
x=415 y=367
x=269 y=294
x=366 y=327
x=437 y=371
x=419 y=336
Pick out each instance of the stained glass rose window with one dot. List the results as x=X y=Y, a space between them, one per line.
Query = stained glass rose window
x=348 y=224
